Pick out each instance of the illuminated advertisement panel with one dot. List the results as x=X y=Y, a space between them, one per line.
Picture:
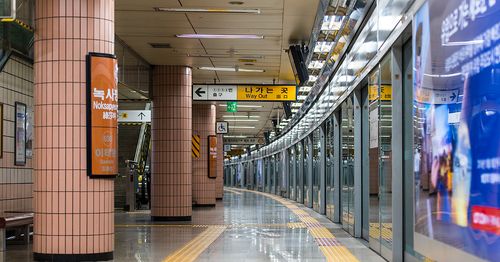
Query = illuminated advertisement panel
x=102 y=113
x=456 y=62
x=212 y=156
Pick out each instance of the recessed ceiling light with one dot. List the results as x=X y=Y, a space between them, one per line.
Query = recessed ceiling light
x=133 y=91
x=208 y=10
x=237 y=116
x=244 y=106
x=231 y=69
x=219 y=36
x=242 y=120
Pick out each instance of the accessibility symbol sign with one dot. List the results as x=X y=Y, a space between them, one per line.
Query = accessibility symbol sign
x=222 y=127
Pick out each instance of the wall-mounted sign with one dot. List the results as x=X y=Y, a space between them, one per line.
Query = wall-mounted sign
x=232 y=107
x=265 y=93
x=227 y=148
x=134 y=116
x=30 y=114
x=102 y=115
x=20 y=134
x=212 y=156
x=244 y=141
x=222 y=127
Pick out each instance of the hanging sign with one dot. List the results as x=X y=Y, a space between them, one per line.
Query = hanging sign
x=102 y=115
x=255 y=93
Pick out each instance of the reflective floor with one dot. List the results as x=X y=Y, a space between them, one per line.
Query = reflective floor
x=245 y=226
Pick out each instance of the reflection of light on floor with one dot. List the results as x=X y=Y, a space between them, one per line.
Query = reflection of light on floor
x=386 y=231
x=429 y=219
x=328 y=244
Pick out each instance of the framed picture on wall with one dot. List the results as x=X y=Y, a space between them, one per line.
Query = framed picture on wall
x=1 y=130
x=20 y=134
x=29 y=132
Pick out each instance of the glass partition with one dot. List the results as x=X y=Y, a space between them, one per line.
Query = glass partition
x=316 y=175
x=347 y=170
x=299 y=170
x=307 y=185
x=380 y=158
x=272 y=174
x=292 y=180
x=330 y=183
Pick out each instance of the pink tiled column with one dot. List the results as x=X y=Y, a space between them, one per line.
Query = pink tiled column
x=219 y=182
x=203 y=125
x=171 y=139
x=74 y=215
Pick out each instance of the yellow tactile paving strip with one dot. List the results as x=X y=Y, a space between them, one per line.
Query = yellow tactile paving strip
x=328 y=244
x=195 y=247
x=386 y=231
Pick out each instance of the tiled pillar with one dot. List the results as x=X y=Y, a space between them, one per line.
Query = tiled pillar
x=204 y=126
x=219 y=182
x=171 y=140
x=74 y=215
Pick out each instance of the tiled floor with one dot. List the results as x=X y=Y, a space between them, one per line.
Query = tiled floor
x=256 y=229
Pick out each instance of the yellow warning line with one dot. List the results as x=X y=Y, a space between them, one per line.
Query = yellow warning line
x=318 y=231
x=195 y=247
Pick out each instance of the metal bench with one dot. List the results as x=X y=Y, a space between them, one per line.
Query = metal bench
x=11 y=220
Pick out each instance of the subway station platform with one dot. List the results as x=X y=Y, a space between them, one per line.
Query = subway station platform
x=245 y=226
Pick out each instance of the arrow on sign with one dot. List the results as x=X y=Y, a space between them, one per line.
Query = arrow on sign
x=142 y=115
x=199 y=92
x=453 y=97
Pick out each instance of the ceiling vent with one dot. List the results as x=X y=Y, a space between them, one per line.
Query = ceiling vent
x=160 y=45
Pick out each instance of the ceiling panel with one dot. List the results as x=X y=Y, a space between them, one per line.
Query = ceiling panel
x=281 y=22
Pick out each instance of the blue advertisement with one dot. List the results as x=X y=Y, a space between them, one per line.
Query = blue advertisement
x=456 y=63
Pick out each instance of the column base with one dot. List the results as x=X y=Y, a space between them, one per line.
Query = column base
x=170 y=219
x=204 y=205
x=73 y=257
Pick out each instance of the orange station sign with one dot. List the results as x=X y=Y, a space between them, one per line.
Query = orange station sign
x=102 y=115
x=212 y=156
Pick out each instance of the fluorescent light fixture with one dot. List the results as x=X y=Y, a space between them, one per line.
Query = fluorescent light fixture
x=224 y=69
x=243 y=127
x=331 y=23
x=315 y=64
x=323 y=47
x=296 y=105
x=237 y=116
x=295 y=110
x=219 y=36
x=242 y=120
x=305 y=89
x=251 y=70
x=244 y=106
x=231 y=69
x=208 y=10
x=312 y=78
x=301 y=97
x=234 y=136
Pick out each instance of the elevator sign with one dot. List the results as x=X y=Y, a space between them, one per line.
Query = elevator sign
x=255 y=93
x=102 y=115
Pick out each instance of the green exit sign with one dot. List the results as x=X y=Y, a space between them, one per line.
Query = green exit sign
x=232 y=107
